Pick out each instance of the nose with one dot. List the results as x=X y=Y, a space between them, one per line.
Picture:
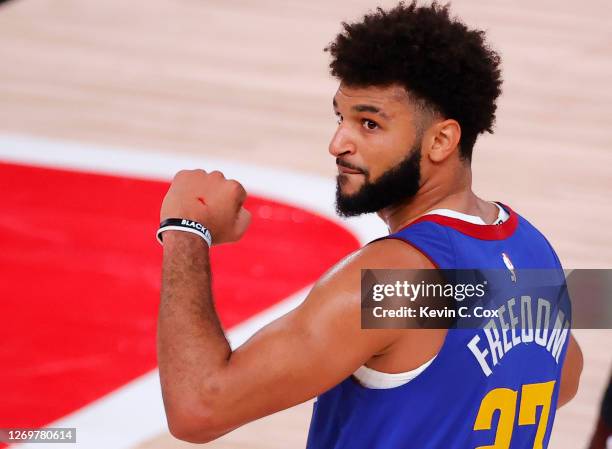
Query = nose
x=341 y=144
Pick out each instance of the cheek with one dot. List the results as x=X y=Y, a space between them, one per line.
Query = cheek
x=381 y=159
x=388 y=150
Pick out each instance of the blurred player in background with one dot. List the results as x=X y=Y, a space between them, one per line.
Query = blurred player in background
x=602 y=435
x=417 y=87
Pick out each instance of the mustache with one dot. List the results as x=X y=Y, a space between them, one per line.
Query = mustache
x=343 y=163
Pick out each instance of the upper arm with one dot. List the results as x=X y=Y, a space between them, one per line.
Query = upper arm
x=312 y=348
x=570 y=374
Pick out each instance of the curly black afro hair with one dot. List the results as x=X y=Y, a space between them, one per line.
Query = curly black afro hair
x=432 y=55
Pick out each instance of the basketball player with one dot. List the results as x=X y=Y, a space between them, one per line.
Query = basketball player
x=416 y=89
x=602 y=435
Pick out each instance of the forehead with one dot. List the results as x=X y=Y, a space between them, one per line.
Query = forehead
x=390 y=98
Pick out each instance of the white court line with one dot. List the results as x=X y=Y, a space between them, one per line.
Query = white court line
x=134 y=412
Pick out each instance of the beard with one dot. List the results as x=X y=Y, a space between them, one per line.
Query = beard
x=396 y=185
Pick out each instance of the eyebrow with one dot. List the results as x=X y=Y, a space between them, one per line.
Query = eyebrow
x=365 y=108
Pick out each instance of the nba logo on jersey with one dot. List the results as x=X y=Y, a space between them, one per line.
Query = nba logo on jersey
x=509 y=265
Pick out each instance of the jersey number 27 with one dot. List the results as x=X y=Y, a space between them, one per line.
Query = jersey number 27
x=504 y=400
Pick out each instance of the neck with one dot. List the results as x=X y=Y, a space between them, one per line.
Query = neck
x=434 y=194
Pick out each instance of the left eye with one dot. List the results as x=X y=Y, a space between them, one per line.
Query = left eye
x=369 y=124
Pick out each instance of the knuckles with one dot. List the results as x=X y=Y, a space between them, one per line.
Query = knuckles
x=180 y=174
x=199 y=173
x=185 y=174
x=214 y=178
x=237 y=188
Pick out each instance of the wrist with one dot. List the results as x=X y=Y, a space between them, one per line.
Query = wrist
x=185 y=226
x=174 y=238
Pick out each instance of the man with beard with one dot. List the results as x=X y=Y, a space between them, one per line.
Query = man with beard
x=416 y=89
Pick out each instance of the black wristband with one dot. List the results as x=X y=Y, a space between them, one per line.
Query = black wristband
x=185 y=225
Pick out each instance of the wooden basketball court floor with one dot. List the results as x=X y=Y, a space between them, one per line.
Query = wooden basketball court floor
x=246 y=81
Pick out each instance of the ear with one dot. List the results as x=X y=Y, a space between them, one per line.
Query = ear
x=443 y=139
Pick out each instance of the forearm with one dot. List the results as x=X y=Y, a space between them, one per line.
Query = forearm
x=192 y=348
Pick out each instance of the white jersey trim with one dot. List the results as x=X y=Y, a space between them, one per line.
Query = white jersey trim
x=371 y=378
x=502 y=215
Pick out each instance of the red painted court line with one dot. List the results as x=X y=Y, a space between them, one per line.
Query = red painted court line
x=80 y=277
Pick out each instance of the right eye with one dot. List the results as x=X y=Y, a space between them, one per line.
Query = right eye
x=339 y=118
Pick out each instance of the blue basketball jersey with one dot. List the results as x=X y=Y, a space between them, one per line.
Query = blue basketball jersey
x=486 y=388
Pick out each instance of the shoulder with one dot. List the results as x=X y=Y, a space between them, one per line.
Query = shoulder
x=536 y=241
x=380 y=254
x=334 y=303
x=393 y=253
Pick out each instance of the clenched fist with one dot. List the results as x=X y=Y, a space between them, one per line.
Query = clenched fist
x=211 y=200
